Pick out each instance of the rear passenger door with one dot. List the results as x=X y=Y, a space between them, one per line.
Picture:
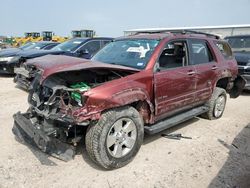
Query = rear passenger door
x=206 y=67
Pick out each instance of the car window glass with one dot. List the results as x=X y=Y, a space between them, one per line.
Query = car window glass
x=238 y=43
x=48 y=47
x=200 y=52
x=106 y=42
x=91 y=47
x=70 y=45
x=128 y=52
x=224 y=49
x=173 y=55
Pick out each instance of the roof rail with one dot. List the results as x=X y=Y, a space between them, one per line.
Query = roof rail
x=183 y=31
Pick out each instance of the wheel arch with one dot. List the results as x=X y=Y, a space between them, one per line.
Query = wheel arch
x=137 y=98
x=233 y=86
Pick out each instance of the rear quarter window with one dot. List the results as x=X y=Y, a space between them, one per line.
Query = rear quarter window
x=225 y=49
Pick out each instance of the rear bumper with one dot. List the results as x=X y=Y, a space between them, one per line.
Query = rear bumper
x=24 y=128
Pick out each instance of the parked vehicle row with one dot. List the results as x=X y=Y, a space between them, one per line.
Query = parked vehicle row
x=10 y=57
x=144 y=83
x=77 y=47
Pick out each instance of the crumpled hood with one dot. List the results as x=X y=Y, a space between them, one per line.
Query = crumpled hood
x=38 y=53
x=51 y=64
x=10 y=52
x=242 y=56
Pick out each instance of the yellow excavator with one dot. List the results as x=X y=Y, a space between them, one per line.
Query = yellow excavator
x=19 y=41
x=85 y=33
x=50 y=36
x=36 y=36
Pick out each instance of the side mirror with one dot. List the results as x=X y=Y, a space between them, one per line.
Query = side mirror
x=157 y=67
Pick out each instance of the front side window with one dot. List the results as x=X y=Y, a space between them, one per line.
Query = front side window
x=200 y=53
x=173 y=55
x=129 y=52
x=106 y=42
x=91 y=47
x=48 y=47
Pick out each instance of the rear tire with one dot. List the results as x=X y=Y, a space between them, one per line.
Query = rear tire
x=216 y=104
x=116 y=138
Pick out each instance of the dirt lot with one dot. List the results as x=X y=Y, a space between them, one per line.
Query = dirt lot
x=218 y=155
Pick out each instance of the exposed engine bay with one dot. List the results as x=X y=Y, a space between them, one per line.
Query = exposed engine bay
x=66 y=90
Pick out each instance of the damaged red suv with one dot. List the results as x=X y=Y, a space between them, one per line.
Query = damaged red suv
x=144 y=83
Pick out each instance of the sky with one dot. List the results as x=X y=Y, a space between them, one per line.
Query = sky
x=112 y=17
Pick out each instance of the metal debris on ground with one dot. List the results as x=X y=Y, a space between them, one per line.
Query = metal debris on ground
x=177 y=136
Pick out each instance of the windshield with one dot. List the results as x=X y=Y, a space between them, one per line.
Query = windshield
x=36 y=45
x=239 y=43
x=26 y=45
x=70 y=45
x=131 y=53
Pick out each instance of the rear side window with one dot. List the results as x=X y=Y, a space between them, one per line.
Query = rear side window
x=200 y=53
x=92 y=46
x=224 y=49
x=49 y=46
x=106 y=42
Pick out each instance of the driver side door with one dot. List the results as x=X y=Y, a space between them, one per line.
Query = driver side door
x=174 y=80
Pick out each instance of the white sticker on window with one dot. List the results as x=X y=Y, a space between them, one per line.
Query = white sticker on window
x=140 y=50
x=77 y=42
x=140 y=64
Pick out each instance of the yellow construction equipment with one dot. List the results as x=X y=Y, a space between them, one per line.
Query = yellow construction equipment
x=19 y=41
x=85 y=33
x=50 y=36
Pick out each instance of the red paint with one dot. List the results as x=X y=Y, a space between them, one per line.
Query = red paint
x=162 y=92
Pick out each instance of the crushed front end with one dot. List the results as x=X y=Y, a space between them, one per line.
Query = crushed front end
x=25 y=74
x=57 y=117
x=49 y=123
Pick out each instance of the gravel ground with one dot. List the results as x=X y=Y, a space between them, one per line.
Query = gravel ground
x=218 y=155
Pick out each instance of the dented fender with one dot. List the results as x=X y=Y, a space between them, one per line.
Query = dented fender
x=94 y=106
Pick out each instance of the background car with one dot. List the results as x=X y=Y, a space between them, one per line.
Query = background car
x=240 y=45
x=8 y=57
x=77 y=47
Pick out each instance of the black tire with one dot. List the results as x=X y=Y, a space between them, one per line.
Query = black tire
x=96 y=137
x=211 y=104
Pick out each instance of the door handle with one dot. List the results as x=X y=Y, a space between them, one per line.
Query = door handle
x=191 y=72
x=214 y=67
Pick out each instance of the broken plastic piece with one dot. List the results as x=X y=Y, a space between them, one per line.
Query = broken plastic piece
x=177 y=136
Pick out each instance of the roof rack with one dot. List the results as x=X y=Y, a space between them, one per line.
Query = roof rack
x=183 y=31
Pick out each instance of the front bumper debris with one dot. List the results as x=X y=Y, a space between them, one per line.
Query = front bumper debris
x=25 y=130
x=22 y=81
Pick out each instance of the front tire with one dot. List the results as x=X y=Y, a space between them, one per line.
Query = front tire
x=216 y=104
x=116 y=138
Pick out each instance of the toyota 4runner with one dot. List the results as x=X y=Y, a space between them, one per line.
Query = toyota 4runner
x=143 y=83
